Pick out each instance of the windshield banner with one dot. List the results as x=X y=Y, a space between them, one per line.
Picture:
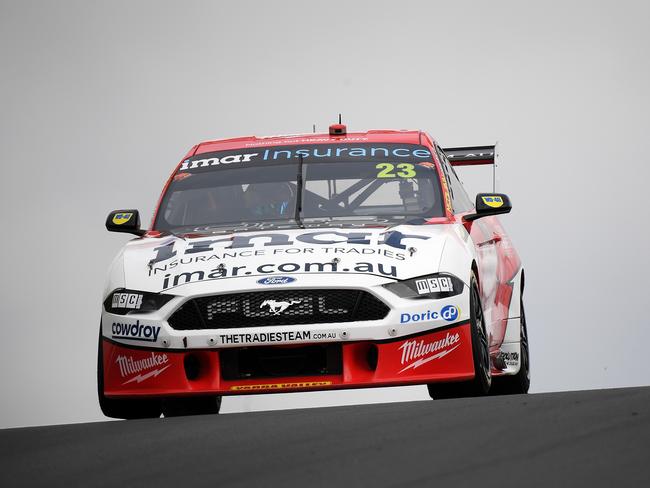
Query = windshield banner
x=375 y=152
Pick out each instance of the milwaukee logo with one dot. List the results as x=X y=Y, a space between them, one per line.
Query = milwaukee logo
x=129 y=366
x=415 y=354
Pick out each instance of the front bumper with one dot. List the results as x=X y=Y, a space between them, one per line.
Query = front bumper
x=406 y=317
x=441 y=355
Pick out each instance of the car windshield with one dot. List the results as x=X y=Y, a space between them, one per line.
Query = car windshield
x=340 y=183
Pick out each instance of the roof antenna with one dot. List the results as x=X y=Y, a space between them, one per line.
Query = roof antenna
x=314 y=128
x=494 y=167
x=340 y=119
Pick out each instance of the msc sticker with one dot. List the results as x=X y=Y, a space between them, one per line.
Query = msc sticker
x=277 y=386
x=434 y=285
x=127 y=300
x=276 y=280
x=494 y=202
x=122 y=218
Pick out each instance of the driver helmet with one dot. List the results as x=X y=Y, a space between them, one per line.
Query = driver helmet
x=269 y=200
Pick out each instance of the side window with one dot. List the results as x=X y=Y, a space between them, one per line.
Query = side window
x=463 y=198
x=459 y=198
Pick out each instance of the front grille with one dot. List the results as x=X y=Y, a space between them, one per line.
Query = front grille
x=282 y=307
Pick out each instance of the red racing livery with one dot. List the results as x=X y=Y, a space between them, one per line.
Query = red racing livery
x=312 y=262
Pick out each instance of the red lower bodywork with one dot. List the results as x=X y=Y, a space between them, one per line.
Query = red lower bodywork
x=440 y=356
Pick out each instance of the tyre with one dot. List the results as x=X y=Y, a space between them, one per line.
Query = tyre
x=202 y=405
x=122 y=408
x=519 y=383
x=480 y=384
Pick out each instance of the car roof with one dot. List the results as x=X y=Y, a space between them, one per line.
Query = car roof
x=385 y=136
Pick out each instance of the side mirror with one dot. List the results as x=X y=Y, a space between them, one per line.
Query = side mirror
x=490 y=204
x=124 y=221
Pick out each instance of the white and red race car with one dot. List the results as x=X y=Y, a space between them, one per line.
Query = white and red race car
x=312 y=262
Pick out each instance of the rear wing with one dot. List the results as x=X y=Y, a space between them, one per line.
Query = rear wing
x=471 y=156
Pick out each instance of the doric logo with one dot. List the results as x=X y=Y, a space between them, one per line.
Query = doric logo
x=276 y=308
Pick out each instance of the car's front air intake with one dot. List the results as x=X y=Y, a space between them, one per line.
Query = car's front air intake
x=281 y=307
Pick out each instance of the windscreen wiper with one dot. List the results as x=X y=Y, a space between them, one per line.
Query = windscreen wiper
x=298 y=215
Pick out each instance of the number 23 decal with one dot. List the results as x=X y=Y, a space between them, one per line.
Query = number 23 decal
x=404 y=170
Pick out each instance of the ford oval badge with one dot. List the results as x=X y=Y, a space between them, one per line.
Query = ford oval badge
x=276 y=280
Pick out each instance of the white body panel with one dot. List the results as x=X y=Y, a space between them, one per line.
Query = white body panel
x=368 y=258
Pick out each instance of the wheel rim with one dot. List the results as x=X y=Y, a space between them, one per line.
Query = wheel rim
x=484 y=362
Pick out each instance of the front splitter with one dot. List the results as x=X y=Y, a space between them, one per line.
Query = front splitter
x=433 y=356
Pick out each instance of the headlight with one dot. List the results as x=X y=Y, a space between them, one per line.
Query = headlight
x=123 y=302
x=439 y=285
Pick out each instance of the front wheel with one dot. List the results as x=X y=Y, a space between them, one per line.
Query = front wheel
x=482 y=381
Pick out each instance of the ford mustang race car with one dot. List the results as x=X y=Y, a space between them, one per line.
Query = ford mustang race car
x=312 y=262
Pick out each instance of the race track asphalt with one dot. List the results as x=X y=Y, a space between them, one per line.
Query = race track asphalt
x=588 y=438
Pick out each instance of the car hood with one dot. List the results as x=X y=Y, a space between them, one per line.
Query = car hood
x=319 y=257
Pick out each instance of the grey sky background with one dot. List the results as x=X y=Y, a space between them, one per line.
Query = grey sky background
x=99 y=101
